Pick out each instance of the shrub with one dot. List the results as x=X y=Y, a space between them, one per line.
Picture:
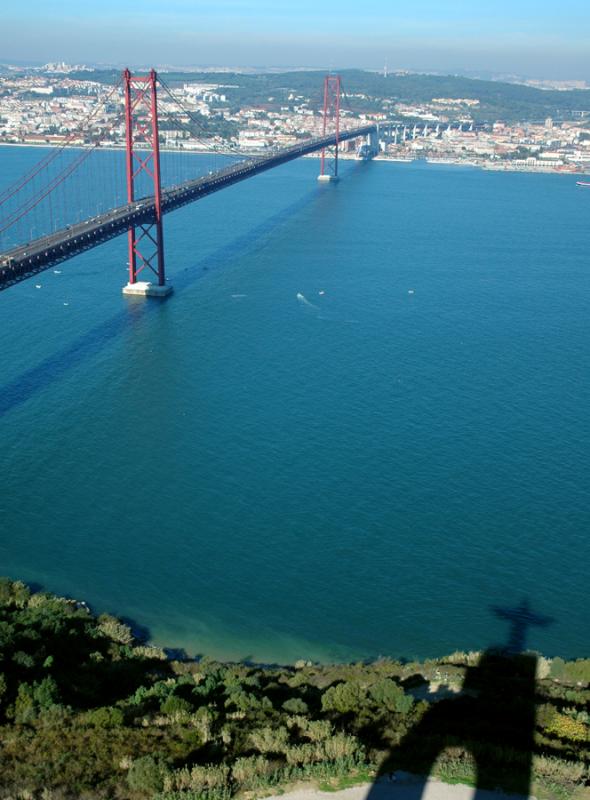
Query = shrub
x=317 y=730
x=341 y=747
x=114 y=629
x=149 y=652
x=203 y=720
x=13 y=593
x=460 y=658
x=565 y=727
x=105 y=717
x=198 y=778
x=571 y=671
x=175 y=706
x=543 y=668
x=269 y=740
x=456 y=768
x=250 y=772
x=303 y=754
x=554 y=770
x=22 y=659
x=244 y=701
x=146 y=775
x=295 y=705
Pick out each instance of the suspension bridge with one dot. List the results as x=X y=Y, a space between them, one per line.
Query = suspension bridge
x=36 y=194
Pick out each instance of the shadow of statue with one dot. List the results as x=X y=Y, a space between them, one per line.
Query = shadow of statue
x=492 y=719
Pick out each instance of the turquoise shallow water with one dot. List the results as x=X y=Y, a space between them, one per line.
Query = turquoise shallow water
x=253 y=469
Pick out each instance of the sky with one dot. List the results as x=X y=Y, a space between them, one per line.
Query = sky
x=536 y=39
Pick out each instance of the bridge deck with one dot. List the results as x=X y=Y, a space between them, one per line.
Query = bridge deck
x=29 y=259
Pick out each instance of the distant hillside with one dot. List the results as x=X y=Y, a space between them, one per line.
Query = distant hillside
x=506 y=101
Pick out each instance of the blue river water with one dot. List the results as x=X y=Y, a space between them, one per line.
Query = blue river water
x=360 y=422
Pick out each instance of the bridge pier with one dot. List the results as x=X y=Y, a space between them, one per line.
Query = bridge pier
x=146 y=289
x=325 y=178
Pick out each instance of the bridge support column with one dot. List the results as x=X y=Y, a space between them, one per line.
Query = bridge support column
x=373 y=142
x=146 y=240
x=329 y=164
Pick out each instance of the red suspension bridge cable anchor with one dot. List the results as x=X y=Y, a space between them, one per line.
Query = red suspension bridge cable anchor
x=331 y=125
x=146 y=239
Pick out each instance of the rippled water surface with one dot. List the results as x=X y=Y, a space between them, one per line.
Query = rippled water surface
x=360 y=422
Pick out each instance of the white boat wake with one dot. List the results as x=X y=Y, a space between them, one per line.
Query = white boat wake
x=320 y=313
x=305 y=302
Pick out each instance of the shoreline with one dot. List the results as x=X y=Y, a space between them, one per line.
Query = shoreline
x=193 y=651
x=487 y=166
x=143 y=636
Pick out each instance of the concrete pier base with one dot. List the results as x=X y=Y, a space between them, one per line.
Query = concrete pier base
x=328 y=178
x=146 y=289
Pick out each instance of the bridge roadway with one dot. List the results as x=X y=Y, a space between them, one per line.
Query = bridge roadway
x=29 y=259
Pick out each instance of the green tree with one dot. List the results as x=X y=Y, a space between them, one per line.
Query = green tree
x=174 y=705
x=46 y=693
x=388 y=695
x=24 y=706
x=344 y=697
x=105 y=717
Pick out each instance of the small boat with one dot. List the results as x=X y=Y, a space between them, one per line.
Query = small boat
x=582 y=183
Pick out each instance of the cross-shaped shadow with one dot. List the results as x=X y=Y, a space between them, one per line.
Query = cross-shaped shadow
x=492 y=718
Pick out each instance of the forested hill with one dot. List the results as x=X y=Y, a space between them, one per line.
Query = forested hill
x=88 y=711
x=506 y=101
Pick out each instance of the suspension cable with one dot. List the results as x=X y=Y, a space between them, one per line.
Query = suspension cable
x=234 y=149
x=27 y=177
x=30 y=204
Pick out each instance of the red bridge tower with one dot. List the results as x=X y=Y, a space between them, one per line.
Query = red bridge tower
x=146 y=239
x=329 y=161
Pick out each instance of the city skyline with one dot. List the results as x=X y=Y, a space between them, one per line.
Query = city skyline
x=452 y=36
